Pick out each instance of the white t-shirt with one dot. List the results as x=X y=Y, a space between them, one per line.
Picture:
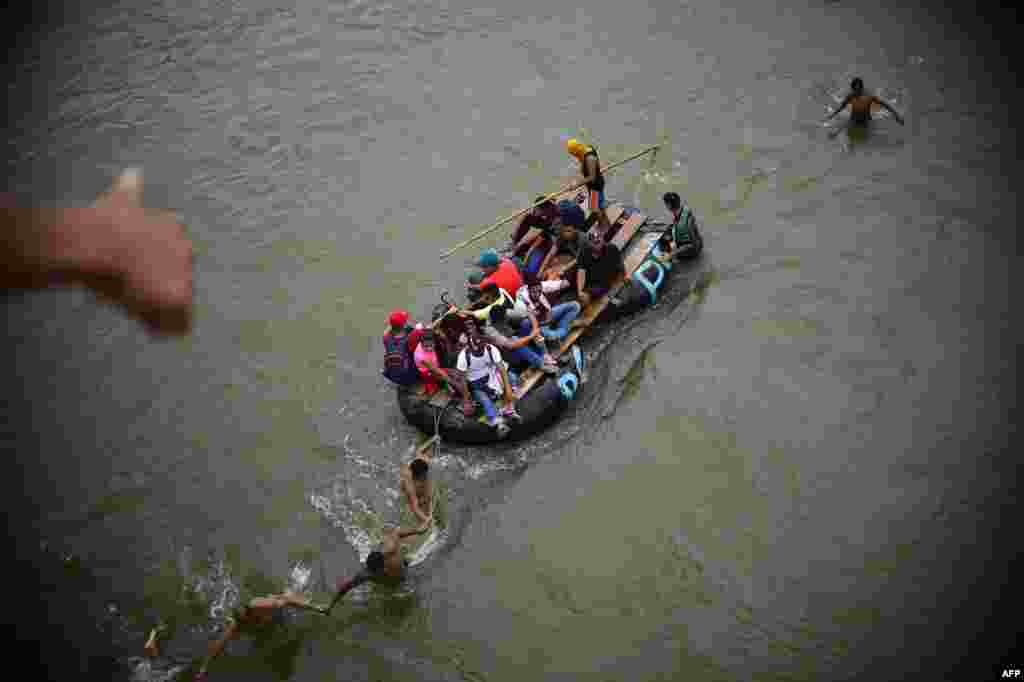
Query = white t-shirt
x=487 y=365
x=524 y=302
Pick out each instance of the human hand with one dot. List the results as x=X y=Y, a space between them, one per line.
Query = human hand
x=148 y=258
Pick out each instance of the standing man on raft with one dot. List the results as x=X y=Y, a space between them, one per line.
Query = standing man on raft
x=590 y=169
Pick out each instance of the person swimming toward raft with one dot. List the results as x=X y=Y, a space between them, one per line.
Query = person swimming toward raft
x=258 y=616
x=860 y=104
x=382 y=564
x=418 y=488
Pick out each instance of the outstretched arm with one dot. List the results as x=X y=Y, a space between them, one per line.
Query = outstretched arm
x=217 y=648
x=344 y=586
x=296 y=601
x=841 y=107
x=138 y=258
x=885 y=105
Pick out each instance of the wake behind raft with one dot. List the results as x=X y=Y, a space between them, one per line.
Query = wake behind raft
x=541 y=398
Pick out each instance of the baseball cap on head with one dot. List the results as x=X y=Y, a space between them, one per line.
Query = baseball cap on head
x=489 y=259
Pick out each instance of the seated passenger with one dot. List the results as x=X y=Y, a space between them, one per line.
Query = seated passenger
x=429 y=366
x=483 y=297
x=570 y=242
x=555 y=320
x=518 y=347
x=500 y=271
x=542 y=249
x=400 y=341
x=599 y=270
x=486 y=379
x=540 y=217
x=685 y=237
x=570 y=213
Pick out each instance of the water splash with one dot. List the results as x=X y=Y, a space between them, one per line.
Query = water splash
x=219 y=589
x=146 y=670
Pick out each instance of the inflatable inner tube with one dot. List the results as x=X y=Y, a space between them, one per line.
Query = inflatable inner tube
x=537 y=409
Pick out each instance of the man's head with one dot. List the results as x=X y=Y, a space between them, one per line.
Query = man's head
x=419 y=468
x=533 y=287
x=566 y=232
x=375 y=562
x=857 y=85
x=397 y=320
x=473 y=340
x=489 y=261
x=672 y=201
x=597 y=243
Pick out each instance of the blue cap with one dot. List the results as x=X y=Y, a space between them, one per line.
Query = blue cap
x=489 y=259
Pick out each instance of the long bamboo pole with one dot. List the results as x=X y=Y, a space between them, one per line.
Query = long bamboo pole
x=567 y=188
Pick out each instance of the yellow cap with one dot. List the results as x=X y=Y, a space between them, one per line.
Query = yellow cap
x=574 y=147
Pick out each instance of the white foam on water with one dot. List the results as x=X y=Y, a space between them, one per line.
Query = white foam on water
x=299 y=576
x=219 y=588
x=147 y=670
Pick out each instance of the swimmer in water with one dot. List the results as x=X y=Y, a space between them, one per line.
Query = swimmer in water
x=384 y=563
x=417 y=487
x=260 y=615
x=860 y=107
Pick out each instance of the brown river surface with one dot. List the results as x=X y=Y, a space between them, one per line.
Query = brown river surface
x=794 y=467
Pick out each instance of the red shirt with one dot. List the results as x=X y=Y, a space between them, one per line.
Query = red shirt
x=505 y=277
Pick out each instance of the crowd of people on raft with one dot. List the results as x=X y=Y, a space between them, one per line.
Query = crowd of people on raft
x=522 y=305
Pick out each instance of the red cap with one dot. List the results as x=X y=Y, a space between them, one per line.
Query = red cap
x=398 y=318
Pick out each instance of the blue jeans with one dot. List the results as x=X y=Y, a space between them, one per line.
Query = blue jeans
x=562 y=315
x=526 y=355
x=557 y=326
x=482 y=394
x=531 y=350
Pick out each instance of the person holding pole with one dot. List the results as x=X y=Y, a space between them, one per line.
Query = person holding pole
x=486 y=231
x=590 y=169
